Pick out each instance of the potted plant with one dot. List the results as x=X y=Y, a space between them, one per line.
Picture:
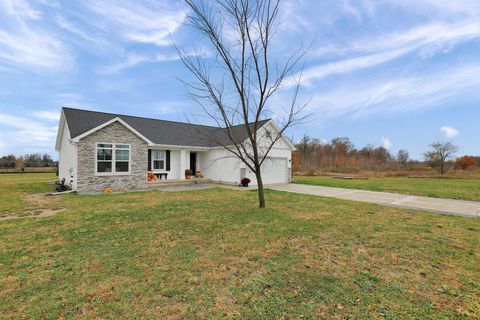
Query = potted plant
x=245 y=182
x=188 y=174
x=152 y=177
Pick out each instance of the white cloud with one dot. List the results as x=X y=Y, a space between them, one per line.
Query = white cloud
x=387 y=144
x=400 y=94
x=69 y=99
x=69 y=26
x=449 y=131
x=427 y=40
x=34 y=50
x=349 y=65
x=130 y=61
x=444 y=8
x=436 y=35
x=24 y=43
x=20 y=9
x=41 y=43
x=26 y=135
x=19 y=122
x=133 y=59
x=146 y=22
x=47 y=115
x=347 y=7
x=292 y=18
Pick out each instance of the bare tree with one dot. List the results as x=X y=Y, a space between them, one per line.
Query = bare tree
x=303 y=148
x=235 y=88
x=441 y=152
x=403 y=157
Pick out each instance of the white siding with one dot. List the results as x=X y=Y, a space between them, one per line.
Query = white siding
x=175 y=171
x=270 y=172
x=220 y=164
x=67 y=159
x=276 y=167
x=275 y=170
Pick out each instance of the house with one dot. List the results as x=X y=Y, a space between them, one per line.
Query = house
x=100 y=150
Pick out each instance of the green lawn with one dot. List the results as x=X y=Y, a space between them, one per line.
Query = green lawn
x=465 y=189
x=214 y=254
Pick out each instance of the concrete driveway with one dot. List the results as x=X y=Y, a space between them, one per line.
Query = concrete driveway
x=445 y=206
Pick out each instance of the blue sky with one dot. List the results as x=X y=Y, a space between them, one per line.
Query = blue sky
x=398 y=73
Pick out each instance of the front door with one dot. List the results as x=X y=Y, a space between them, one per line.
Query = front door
x=193 y=162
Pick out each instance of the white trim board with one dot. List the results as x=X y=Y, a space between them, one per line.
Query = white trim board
x=63 y=123
x=103 y=125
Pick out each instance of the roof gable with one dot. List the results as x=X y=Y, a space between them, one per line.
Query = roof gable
x=283 y=137
x=103 y=125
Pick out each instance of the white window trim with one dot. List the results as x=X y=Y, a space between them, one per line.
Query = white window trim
x=113 y=173
x=164 y=170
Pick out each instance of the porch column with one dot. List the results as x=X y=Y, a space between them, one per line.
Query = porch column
x=199 y=167
x=183 y=163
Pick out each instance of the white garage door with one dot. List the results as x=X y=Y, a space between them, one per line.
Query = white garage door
x=274 y=170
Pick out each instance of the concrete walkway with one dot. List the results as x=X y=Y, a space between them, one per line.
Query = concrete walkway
x=445 y=206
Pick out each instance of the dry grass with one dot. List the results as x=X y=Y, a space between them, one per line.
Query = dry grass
x=213 y=254
x=423 y=173
x=465 y=189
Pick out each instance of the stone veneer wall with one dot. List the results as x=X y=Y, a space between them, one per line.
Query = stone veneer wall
x=89 y=182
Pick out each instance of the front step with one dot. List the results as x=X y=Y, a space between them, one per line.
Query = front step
x=172 y=183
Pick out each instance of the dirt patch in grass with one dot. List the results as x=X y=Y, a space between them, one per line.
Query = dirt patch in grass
x=15 y=187
x=37 y=214
x=41 y=206
x=40 y=199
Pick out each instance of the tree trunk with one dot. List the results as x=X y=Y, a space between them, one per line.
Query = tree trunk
x=261 y=193
x=442 y=169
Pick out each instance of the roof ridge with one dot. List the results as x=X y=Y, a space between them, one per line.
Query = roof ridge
x=127 y=115
x=179 y=122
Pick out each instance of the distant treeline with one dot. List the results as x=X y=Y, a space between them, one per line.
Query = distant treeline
x=34 y=160
x=340 y=154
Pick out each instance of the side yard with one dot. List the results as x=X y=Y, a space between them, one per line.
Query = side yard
x=214 y=254
x=463 y=189
x=17 y=193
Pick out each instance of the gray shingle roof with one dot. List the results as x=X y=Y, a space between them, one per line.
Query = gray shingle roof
x=158 y=131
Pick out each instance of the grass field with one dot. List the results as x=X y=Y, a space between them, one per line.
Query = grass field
x=14 y=188
x=214 y=254
x=465 y=189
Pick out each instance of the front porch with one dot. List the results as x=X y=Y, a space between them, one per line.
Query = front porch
x=173 y=166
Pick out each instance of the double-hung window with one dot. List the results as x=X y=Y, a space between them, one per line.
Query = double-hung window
x=122 y=158
x=104 y=157
x=113 y=158
x=158 y=160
